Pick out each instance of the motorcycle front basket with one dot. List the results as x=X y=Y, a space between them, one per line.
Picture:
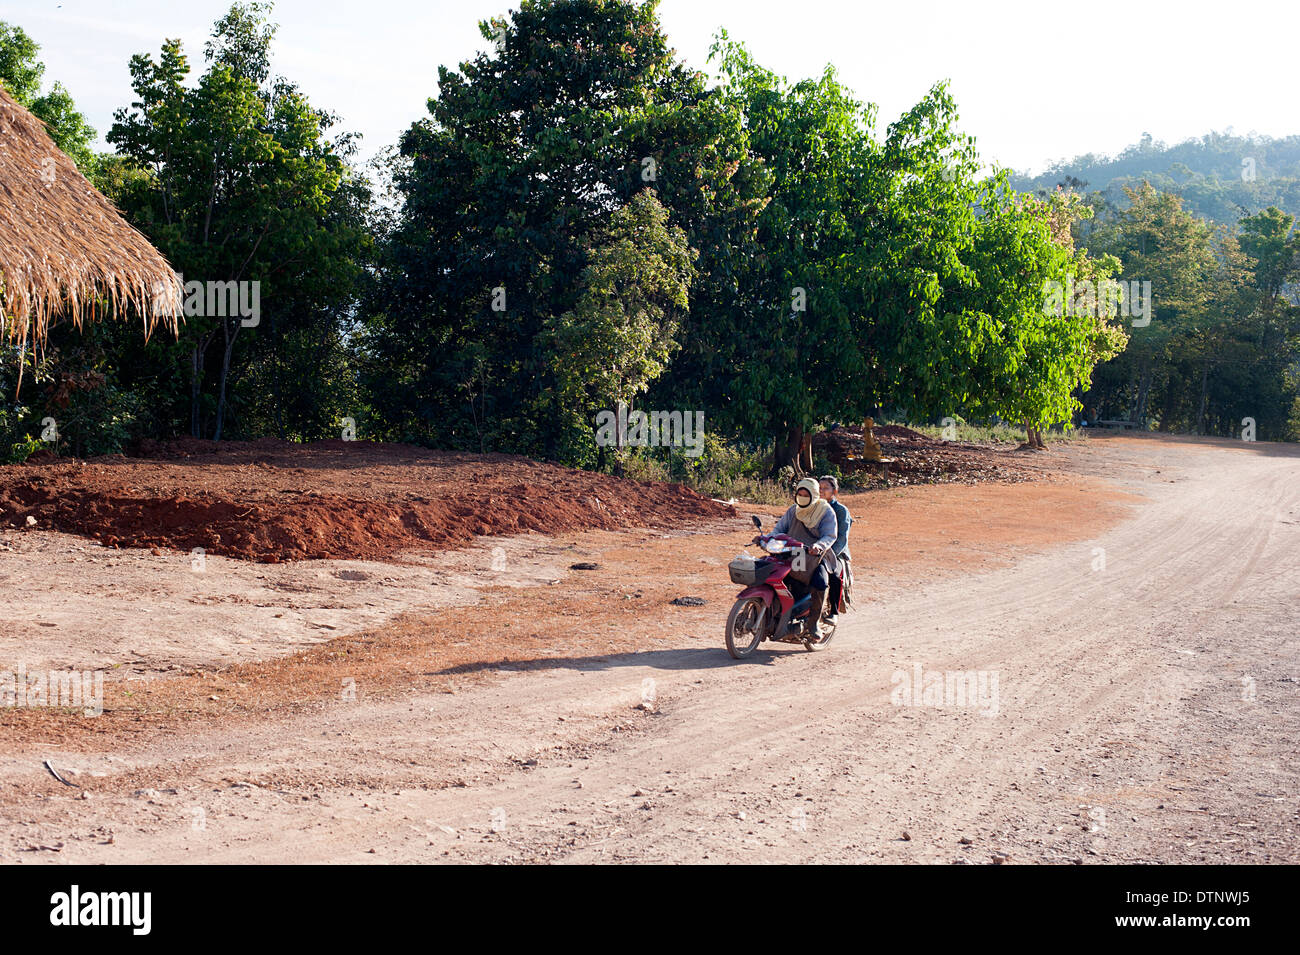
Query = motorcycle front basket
x=744 y=571
x=748 y=572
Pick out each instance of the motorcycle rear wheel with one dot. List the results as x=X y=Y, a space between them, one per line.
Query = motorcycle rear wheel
x=827 y=631
x=743 y=632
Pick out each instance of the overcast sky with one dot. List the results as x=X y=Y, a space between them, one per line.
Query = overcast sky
x=1034 y=82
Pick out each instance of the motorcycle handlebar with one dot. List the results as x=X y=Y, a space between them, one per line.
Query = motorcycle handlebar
x=790 y=542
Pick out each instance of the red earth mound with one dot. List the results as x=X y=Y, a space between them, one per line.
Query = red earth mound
x=910 y=457
x=272 y=501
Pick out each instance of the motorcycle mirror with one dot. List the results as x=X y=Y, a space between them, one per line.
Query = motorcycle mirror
x=757 y=522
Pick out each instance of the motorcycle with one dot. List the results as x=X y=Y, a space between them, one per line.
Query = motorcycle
x=766 y=609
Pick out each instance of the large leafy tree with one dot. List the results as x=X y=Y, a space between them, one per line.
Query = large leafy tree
x=506 y=190
x=914 y=267
x=787 y=353
x=1267 y=338
x=1038 y=354
x=241 y=184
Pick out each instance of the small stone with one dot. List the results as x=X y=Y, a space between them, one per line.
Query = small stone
x=907 y=836
x=584 y=565
x=31 y=521
x=966 y=840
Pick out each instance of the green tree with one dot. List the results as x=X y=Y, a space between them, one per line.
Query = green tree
x=915 y=268
x=243 y=186
x=505 y=192
x=1157 y=241
x=1040 y=352
x=619 y=336
x=21 y=73
x=792 y=355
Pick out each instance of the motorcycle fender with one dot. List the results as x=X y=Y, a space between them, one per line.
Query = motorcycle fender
x=760 y=591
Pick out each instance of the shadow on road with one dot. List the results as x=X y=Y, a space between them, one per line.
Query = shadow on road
x=711 y=658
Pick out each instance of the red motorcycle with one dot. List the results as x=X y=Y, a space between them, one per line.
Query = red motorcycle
x=766 y=609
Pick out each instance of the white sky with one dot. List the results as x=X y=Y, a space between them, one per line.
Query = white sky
x=1034 y=82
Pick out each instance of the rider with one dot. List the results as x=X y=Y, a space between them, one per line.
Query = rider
x=830 y=489
x=812 y=521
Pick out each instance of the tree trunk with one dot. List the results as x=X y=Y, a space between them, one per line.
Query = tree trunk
x=1133 y=391
x=196 y=379
x=225 y=372
x=787 y=450
x=1200 y=408
x=618 y=442
x=277 y=353
x=805 y=454
x=197 y=359
x=1144 y=392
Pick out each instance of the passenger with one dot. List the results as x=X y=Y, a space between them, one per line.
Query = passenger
x=830 y=488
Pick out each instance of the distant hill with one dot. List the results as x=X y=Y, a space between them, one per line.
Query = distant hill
x=1220 y=176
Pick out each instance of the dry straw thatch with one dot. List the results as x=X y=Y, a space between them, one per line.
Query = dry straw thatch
x=64 y=249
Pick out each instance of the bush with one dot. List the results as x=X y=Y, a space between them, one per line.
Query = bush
x=723 y=470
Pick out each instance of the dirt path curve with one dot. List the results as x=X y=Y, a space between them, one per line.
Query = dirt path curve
x=1139 y=703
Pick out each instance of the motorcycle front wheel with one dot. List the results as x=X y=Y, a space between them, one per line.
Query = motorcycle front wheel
x=744 y=630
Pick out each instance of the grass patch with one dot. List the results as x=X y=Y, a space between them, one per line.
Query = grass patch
x=722 y=471
x=990 y=434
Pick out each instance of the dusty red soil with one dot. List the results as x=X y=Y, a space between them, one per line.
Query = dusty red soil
x=624 y=606
x=272 y=501
x=509 y=731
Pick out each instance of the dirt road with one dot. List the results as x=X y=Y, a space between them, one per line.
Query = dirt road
x=1134 y=697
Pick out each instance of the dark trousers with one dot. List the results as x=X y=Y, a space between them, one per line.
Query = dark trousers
x=820 y=581
x=837 y=585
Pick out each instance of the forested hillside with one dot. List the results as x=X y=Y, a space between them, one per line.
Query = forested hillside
x=1220 y=176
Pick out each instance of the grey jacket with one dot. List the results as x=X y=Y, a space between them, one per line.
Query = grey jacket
x=843 y=521
x=825 y=534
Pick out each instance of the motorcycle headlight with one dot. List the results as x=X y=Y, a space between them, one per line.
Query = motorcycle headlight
x=774 y=546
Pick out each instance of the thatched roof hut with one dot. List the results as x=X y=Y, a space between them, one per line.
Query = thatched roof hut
x=64 y=249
